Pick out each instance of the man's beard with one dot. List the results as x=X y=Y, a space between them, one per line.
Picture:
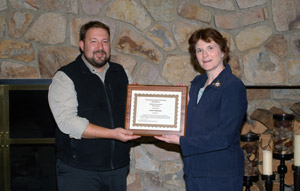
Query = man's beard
x=98 y=64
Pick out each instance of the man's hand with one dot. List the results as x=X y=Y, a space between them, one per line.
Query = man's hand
x=169 y=138
x=124 y=135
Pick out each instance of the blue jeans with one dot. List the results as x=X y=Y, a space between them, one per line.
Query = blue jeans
x=70 y=178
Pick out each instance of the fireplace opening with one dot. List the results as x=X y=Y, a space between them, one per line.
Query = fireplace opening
x=32 y=167
x=30 y=115
x=27 y=130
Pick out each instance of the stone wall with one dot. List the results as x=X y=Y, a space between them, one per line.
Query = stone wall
x=149 y=38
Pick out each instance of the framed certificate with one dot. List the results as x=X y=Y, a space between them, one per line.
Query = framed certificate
x=156 y=110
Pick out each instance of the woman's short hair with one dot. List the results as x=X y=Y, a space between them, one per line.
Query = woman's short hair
x=208 y=35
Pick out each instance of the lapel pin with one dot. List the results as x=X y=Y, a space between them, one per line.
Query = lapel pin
x=217 y=84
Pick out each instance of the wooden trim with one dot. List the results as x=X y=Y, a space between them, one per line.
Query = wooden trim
x=272 y=87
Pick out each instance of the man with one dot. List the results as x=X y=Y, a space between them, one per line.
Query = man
x=87 y=98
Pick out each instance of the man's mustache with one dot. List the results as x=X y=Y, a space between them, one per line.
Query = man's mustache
x=99 y=51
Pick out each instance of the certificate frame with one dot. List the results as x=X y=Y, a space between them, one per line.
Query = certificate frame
x=156 y=110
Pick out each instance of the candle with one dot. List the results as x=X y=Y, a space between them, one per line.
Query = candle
x=267 y=162
x=297 y=150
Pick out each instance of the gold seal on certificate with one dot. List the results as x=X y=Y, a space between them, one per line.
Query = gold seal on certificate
x=156 y=110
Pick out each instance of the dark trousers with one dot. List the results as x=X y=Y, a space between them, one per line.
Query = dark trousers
x=70 y=178
x=213 y=183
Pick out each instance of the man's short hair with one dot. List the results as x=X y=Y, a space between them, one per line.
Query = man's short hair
x=92 y=24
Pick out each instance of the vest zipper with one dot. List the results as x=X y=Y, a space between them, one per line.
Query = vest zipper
x=112 y=123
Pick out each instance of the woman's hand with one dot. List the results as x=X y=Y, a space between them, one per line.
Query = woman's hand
x=169 y=138
x=180 y=84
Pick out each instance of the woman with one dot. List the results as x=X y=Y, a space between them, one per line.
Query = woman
x=213 y=159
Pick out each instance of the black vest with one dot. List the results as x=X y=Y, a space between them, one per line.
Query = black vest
x=102 y=104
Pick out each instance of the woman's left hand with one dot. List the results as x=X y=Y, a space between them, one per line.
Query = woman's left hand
x=169 y=138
